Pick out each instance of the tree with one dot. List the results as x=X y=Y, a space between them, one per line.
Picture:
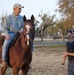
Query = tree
x=36 y=23
x=66 y=7
x=47 y=23
x=62 y=26
x=3 y=18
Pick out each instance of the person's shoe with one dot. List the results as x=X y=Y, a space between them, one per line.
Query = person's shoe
x=4 y=63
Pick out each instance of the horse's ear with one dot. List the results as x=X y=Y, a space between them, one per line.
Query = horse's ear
x=32 y=18
x=24 y=18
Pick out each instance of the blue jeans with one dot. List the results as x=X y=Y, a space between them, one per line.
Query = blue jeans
x=32 y=47
x=6 y=46
x=70 y=68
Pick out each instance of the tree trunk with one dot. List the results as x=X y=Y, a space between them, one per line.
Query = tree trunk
x=42 y=34
x=62 y=36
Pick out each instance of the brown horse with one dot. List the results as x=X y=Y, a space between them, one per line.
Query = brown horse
x=20 y=54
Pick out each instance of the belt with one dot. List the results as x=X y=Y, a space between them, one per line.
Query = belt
x=71 y=61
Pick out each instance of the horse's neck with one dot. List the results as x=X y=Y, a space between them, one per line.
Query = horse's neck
x=19 y=46
x=24 y=48
x=23 y=42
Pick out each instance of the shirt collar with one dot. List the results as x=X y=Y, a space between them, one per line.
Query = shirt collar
x=15 y=15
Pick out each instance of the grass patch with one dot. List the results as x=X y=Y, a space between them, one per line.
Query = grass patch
x=49 y=47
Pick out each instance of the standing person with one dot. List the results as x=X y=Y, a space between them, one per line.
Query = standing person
x=13 y=24
x=69 y=53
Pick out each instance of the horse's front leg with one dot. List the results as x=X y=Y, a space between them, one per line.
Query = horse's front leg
x=15 y=70
x=3 y=70
x=24 y=71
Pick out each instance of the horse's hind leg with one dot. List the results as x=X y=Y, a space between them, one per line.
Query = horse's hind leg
x=3 y=70
x=24 y=71
x=15 y=71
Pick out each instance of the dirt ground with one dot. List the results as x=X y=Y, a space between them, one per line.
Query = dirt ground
x=46 y=61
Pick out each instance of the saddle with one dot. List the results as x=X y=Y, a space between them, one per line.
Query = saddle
x=15 y=39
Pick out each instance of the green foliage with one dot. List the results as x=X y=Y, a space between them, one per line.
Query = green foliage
x=66 y=7
x=36 y=23
x=47 y=22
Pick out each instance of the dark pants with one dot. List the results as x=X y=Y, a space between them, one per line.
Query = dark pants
x=70 y=68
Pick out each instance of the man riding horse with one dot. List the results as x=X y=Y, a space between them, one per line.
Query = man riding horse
x=13 y=24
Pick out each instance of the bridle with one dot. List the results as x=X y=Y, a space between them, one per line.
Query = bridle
x=24 y=35
x=27 y=35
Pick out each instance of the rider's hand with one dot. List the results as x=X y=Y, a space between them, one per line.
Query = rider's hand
x=20 y=32
x=7 y=37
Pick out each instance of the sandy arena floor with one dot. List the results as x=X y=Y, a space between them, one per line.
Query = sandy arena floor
x=46 y=61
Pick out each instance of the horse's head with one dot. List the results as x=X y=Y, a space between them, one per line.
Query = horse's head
x=29 y=29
